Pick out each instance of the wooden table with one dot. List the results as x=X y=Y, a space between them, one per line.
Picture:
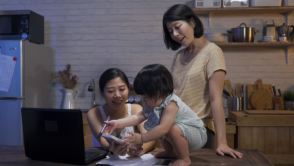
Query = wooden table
x=14 y=155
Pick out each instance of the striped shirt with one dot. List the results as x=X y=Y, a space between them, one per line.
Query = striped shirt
x=191 y=80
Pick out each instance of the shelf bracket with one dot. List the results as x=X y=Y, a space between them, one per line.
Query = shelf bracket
x=286 y=15
x=209 y=20
x=286 y=53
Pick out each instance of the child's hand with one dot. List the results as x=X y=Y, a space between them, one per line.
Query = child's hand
x=112 y=125
x=134 y=139
x=136 y=153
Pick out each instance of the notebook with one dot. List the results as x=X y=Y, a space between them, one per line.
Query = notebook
x=56 y=135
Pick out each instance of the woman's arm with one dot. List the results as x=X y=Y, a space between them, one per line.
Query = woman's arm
x=95 y=122
x=216 y=83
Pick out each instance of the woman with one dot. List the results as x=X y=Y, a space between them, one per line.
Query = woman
x=114 y=88
x=198 y=72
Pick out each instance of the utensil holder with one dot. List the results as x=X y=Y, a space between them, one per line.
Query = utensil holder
x=278 y=103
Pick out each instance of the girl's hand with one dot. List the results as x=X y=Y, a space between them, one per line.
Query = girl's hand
x=112 y=125
x=134 y=139
x=136 y=153
x=118 y=150
x=223 y=149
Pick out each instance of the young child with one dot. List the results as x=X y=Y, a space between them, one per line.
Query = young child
x=178 y=129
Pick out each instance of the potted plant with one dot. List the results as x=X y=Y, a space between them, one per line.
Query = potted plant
x=288 y=97
x=68 y=82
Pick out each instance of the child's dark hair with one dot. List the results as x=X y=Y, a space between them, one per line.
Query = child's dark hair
x=175 y=13
x=110 y=74
x=154 y=81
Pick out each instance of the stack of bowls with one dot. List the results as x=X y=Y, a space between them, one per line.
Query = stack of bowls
x=215 y=37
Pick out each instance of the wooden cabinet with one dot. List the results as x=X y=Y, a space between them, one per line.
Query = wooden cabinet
x=86 y=127
x=272 y=135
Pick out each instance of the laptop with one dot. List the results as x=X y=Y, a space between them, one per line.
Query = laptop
x=56 y=135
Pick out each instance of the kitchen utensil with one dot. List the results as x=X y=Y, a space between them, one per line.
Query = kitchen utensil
x=232 y=91
x=250 y=88
x=269 y=29
x=274 y=90
x=278 y=103
x=228 y=89
x=238 y=89
x=280 y=94
x=261 y=98
x=284 y=31
x=235 y=103
x=243 y=34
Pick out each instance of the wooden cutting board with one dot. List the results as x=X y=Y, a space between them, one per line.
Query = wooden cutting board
x=269 y=112
x=250 y=90
x=261 y=99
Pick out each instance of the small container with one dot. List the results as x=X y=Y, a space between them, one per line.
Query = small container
x=235 y=104
x=226 y=113
x=255 y=3
x=208 y=3
x=288 y=2
x=235 y=3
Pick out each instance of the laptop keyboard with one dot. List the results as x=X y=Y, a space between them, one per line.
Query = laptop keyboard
x=90 y=155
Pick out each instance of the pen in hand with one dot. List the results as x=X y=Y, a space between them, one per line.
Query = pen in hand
x=103 y=127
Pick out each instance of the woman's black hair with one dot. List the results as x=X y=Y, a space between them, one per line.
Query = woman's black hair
x=154 y=81
x=110 y=74
x=175 y=13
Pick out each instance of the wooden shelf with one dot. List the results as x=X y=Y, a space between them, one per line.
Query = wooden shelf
x=256 y=44
x=245 y=10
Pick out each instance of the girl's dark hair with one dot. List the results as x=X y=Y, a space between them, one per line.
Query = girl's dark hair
x=155 y=81
x=175 y=13
x=110 y=74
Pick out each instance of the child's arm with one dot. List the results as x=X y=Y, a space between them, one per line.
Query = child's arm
x=125 y=122
x=167 y=119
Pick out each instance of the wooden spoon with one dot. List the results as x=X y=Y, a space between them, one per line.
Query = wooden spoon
x=228 y=89
x=232 y=91
x=238 y=88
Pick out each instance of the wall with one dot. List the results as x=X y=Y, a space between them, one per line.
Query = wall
x=94 y=35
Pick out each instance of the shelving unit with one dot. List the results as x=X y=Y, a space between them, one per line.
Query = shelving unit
x=284 y=10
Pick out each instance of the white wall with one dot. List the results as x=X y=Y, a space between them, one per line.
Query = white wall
x=94 y=35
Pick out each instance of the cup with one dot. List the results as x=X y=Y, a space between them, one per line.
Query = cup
x=267 y=38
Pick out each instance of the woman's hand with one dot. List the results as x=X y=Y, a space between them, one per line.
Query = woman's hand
x=134 y=139
x=111 y=125
x=223 y=149
x=118 y=150
x=136 y=153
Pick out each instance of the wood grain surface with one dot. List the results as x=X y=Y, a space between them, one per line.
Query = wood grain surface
x=261 y=98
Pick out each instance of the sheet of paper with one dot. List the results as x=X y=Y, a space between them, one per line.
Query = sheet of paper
x=144 y=160
x=7 y=65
